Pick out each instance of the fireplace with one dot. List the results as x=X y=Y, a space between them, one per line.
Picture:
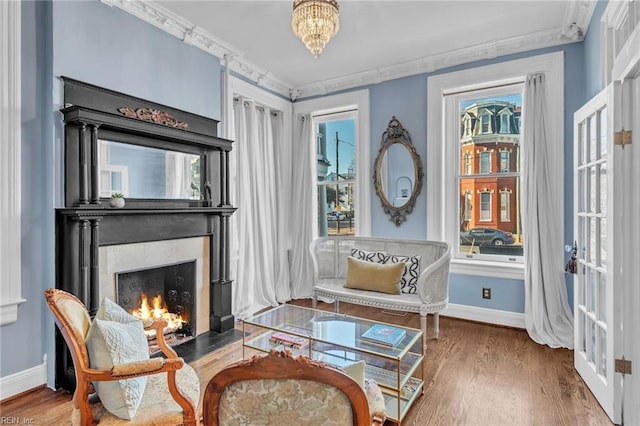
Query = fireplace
x=168 y=292
x=97 y=245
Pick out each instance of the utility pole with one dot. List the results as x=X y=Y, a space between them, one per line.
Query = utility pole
x=337 y=187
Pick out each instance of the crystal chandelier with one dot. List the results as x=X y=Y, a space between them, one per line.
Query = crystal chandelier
x=315 y=22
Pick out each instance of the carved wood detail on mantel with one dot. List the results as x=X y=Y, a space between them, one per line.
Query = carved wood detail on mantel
x=154 y=115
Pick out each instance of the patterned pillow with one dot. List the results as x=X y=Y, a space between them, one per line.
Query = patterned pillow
x=117 y=337
x=369 y=256
x=411 y=272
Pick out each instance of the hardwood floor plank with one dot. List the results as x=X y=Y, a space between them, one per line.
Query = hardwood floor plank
x=476 y=374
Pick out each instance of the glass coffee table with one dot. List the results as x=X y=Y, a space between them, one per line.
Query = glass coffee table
x=337 y=339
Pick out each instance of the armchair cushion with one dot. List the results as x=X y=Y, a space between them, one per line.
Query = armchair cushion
x=117 y=337
x=365 y=275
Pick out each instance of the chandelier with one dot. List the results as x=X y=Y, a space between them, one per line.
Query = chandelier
x=315 y=22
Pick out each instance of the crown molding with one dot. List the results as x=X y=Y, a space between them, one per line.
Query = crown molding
x=437 y=62
x=577 y=18
x=160 y=17
x=576 y=21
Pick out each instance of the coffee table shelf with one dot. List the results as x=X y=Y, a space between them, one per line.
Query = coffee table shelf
x=336 y=339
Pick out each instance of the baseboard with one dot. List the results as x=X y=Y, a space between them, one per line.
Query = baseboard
x=491 y=316
x=24 y=380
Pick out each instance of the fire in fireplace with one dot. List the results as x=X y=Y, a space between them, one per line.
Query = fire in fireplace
x=172 y=289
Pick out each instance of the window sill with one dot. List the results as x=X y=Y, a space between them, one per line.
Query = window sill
x=483 y=268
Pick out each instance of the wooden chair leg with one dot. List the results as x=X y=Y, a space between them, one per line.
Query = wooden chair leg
x=436 y=324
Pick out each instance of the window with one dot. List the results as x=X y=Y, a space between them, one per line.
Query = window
x=505 y=206
x=485 y=207
x=467 y=163
x=336 y=173
x=485 y=162
x=449 y=95
x=504 y=161
x=485 y=126
x=467 y=126
x=341 y=163
x=505 y=123
x=468 y=196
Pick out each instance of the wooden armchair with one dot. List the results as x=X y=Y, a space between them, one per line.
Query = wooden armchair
x=168 y=397
x=278 y=388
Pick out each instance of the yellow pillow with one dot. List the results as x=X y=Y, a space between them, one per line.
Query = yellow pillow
x=365 y=275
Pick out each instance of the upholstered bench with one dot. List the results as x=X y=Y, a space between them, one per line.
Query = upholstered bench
x=425 y=279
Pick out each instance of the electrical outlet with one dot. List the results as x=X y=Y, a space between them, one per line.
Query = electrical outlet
x=486 y=293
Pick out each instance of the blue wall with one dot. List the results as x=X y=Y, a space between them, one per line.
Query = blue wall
x=24 y=342
x=105 y=46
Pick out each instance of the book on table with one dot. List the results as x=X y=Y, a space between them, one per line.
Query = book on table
x=289 y=340
x=384 y=334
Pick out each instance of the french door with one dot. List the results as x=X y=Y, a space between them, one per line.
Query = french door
x=597 y=313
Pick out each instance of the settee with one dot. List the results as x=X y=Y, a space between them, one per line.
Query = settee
x=425 y=292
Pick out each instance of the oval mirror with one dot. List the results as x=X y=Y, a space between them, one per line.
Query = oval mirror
x=397 y=172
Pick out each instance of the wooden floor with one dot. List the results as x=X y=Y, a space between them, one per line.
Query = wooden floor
x=476 y=375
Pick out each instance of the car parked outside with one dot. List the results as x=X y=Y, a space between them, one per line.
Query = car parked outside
x=483 y=236
x=335 y=216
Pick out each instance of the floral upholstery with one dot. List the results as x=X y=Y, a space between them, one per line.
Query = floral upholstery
x=156 y=398
x=283 y=402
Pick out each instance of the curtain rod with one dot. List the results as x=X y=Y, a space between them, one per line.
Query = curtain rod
x=497 y=86
x=258 y=106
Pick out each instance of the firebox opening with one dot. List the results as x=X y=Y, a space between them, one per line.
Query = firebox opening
x=166 y=291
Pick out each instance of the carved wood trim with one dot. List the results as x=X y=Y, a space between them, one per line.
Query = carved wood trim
x=153 y=115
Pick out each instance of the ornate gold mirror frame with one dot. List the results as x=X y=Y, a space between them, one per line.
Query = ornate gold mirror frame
x=397 y=172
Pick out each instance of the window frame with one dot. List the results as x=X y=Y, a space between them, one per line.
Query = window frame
x=484 y=159
x=505 y=123
x=505 y=196
x=508 y=161
x=328 y=118
x=358 y=100
x=485 y=206
x=441 y=191
x=10 y=166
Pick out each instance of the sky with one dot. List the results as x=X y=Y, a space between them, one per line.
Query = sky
x=346 y=144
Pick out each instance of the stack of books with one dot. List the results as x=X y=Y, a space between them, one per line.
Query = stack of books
x=384 y=334
x=288 y=340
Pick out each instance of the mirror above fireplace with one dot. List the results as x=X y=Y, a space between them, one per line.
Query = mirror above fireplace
x=144 y=172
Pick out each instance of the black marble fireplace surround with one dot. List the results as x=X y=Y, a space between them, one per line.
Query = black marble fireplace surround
x=87 y=221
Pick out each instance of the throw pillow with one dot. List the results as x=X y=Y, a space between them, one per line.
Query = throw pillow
x=369 y=256
x=410 y=274
x=117 y=337
x=377 y=406
x=356 y=371
x=365 y=275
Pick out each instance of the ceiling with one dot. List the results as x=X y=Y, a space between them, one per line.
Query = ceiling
x=378 y=40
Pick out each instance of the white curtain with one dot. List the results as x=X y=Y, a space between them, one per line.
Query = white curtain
x=259 y=254
x=302 y=178
x=178 y=176
x=547 y=314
